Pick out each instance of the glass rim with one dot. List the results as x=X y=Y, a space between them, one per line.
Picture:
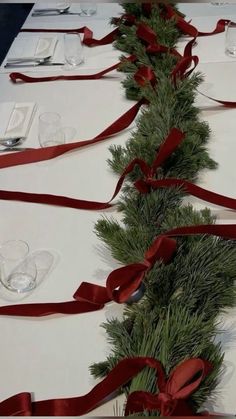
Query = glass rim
x=51 y=116
x=14 y=241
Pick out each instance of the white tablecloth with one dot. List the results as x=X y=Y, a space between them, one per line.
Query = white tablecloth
x=51 y=356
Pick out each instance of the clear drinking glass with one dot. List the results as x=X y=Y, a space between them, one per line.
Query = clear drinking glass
x=88 y=9
x=50 y=129
x=230 y=40
x=73 y=49
x=18 y=272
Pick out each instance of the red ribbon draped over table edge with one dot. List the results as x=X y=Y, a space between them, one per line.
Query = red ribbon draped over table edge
x=171 y=399
x=91 y=297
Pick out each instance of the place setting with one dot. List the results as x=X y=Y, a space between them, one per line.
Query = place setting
x=16 y=120
x=30 y=52
x=64 y=8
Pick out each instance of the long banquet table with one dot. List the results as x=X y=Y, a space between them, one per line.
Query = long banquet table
x=51 y=356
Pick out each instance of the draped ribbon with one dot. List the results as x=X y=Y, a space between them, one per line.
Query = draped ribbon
x=189 y=29
x=143 y=186
x=172 y=141
x=172 y=397
x=87 y=40
x=21 y=77
x=122 y=281
x=171 y=400
x=47 y=153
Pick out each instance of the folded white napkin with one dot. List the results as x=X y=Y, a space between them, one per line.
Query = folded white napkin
x=32 y=47
x=15 y=119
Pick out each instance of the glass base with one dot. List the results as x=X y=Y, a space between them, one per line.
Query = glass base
x=20 y=282
x=231 y=52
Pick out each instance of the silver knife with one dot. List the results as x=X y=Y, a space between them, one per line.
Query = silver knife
x=36 y=64
x=36 y=14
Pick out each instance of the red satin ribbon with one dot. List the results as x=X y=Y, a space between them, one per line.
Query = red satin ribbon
x=91 y=297
x=88 y=39
x=145 y=74
x=21 y=77
x=47 y=153
x=189 y=29
x=166 y=149
x=208 y=196
x=173 y=392
x=171 y=400
x=146 y=33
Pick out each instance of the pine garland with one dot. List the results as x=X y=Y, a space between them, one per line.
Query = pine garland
x=177 y=317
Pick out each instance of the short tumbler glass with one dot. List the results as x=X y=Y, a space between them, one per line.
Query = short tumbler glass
x=88 y=9
x=230 y=40
x=73 y=49
x=17 y=271
x=50 y=129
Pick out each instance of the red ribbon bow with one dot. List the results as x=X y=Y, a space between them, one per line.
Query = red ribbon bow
x=172 y=397
x=145 y=33
x=173 y=392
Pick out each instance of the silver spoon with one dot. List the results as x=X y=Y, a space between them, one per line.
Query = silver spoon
x=10 y=142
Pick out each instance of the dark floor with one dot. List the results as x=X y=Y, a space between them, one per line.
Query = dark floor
x=12 y=17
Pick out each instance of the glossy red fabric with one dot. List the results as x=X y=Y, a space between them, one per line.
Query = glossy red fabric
x=122 y=281
x=21 y=77
x=173 y=394
x=47 y=153
x=87 y=40
x=192 y=189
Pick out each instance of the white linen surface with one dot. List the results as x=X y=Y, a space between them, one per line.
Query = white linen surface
x=55 y=362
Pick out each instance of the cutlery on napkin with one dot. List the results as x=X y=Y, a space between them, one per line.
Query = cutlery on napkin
x=15 y=121
x=34 y=50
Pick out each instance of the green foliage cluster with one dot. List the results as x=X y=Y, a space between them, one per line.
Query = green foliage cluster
x=177 y=317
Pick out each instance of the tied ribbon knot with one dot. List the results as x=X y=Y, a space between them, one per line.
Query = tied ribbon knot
x=145 y=33
x=144 y=75
x=91 y=297
x=173 y=392
x=172 y=398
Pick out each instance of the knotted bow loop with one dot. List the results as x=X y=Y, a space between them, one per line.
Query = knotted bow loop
x=127 y=279
x=179 y=70
x=174 y=391
x=163 y=249
x=144 y=75
x=147 y=34
x=172 y=141
x=186 y=377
